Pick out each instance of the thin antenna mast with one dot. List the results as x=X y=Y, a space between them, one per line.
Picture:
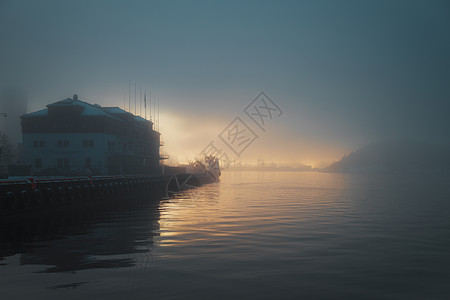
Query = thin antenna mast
x=145 y=104
x=129 y=94
x=158 y=114
x=135 y=98
x=140 y=101
x=154 y=110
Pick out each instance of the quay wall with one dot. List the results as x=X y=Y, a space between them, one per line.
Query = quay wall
x=43 y=194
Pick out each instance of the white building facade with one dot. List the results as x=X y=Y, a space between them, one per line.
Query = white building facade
x=72 y=135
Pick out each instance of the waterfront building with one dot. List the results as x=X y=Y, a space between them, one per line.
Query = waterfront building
x=77 y=137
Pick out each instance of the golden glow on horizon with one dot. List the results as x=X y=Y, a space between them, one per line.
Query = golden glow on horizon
x=185 y=135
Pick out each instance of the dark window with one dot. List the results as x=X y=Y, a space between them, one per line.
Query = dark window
x=38 y=163
x=88 y=143
x=63 y=143
x=66 y=163
x=37 y=143
x=111 y=146
x=87 y=163
x=60 y=163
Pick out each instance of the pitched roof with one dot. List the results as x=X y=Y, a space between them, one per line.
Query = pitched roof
x=88 y=110
x=140 y=119
x=39 y=113
x=115 y=110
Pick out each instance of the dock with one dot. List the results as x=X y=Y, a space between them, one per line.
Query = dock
x=22 y=196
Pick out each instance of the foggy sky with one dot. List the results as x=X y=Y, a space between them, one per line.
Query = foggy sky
x=345 y=73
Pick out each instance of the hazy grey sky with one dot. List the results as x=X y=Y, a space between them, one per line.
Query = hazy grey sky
x=344 y=72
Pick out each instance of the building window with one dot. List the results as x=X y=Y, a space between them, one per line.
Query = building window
x=88 y=143
x=38 y=143
x=63 y=143
x=111 y=146
x=38 y=163
x=87 y=163
x=63 y=163
x=66 y=163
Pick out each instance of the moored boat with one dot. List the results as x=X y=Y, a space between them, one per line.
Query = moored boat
x=197 y=174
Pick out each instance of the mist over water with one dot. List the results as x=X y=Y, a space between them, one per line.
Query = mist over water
x=345 y=74
x=253 y=235
x=355 y=88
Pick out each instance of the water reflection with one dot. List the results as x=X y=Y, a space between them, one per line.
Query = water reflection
x=108 y=235
x=264 y=235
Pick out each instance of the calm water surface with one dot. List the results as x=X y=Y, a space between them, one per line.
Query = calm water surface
x=254 y=235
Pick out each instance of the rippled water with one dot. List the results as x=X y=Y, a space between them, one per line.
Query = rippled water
x=254 y=235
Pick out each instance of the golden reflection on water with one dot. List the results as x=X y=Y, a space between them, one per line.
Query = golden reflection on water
x=254 y=235
x=250 y=203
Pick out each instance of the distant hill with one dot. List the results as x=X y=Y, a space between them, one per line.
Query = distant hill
x=395 y=156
